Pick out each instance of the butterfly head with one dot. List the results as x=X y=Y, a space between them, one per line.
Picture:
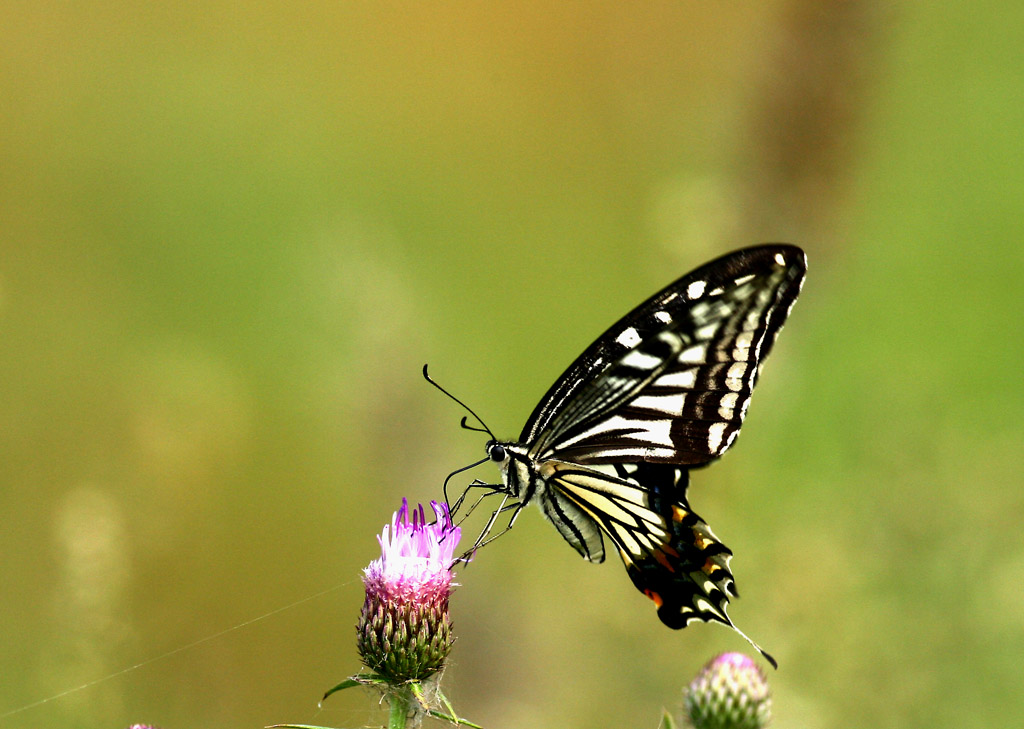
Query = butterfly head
x=496 y=451
x=516 y=466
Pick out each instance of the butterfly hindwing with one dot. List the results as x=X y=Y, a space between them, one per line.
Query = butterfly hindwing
x=669 y=552
x=617 y=504
x=575 y=524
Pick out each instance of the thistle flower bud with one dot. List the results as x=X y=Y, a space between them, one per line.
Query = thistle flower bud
x=404 y=630
x=730 y=692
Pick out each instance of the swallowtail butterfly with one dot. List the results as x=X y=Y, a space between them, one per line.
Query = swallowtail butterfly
x=608 y=449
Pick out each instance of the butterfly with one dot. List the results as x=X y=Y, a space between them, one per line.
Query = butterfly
x=608 y=450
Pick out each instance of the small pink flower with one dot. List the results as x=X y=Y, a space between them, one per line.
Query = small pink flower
x=404 y=631
x=415 y=557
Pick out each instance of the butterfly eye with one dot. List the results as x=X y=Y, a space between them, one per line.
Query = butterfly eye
x=497 y=453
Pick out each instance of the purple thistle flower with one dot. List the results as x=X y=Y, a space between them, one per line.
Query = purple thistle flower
x=404 y=631
x=730 y=692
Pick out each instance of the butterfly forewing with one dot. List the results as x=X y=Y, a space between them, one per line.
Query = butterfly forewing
x=672 y=380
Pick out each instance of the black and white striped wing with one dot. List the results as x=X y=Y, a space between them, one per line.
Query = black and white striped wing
x=671 y=381
x=669 y=552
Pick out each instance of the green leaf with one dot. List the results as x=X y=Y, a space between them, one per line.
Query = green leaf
x=360 y=679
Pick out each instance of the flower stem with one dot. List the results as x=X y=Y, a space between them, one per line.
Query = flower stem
x=399 y=708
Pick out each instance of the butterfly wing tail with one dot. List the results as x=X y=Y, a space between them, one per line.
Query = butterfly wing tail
x=689 y=580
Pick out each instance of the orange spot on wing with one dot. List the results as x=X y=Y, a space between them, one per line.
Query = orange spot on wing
x=654 y=596
x=679 y=513
x=663 y=560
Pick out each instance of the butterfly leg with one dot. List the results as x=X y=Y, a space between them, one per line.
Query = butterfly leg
x=486 y=537
x=476 y=483
x=483 y=539
x=493 y=489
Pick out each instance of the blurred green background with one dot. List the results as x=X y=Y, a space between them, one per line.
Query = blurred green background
x=231 y=234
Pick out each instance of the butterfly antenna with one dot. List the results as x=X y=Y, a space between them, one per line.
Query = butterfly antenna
x=465 y=425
